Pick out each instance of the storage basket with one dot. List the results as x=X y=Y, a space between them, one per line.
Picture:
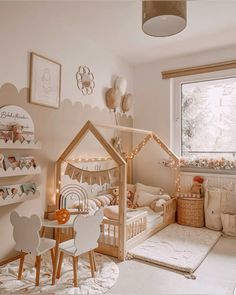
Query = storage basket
x=190 y=211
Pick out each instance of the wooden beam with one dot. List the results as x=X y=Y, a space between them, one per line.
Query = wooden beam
x=199 y=69
x=123 y=128
x=122 y=212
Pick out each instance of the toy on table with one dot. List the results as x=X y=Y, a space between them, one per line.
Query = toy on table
x=62 y=216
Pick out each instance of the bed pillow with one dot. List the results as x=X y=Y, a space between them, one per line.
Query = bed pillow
x=112 y=212
x=145 y=199
x=148 y=189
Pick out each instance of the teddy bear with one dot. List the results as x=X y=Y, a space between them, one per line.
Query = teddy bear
x=26 y=232
x=197 y=186
x=17 y=132
x=157 y=205
x=130 y=198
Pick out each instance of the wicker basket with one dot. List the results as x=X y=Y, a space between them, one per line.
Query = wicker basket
x=190 y=211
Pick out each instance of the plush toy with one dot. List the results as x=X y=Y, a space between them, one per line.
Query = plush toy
x=157 y=205
x=197 y=186
x=115 y=193
x=130 y=198
x=17 y=132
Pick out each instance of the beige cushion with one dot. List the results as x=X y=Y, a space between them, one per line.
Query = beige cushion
x=111 y=212
x=92 y=205
x=104 y=200
x=146 y=188
x=145 y=199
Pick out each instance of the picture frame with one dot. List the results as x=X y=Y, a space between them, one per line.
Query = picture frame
x=45 y=81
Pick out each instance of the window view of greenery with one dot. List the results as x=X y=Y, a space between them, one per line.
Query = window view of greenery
x=208 y=118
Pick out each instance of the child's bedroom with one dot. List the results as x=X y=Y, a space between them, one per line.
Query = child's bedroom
x=118 y=147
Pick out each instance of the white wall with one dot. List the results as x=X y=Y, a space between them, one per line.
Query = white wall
x=56 y=30
x=152 y=94
x=52 y=29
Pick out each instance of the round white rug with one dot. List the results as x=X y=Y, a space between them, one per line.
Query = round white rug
x=106 y=276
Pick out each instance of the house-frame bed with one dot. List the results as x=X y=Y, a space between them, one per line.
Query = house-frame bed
x=119 y=236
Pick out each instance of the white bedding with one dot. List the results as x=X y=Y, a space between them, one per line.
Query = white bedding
x=153 y=220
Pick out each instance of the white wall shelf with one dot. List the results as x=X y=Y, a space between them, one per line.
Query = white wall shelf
x=20 y=145
x=19 y=172
x=18 y=198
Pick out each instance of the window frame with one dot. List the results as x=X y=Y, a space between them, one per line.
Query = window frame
x=175 y=102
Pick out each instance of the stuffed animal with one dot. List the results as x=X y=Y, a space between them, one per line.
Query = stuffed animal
x=17 y=132
x=130 y=198
x=157 y=205
x=115 y=193
x=197 y=186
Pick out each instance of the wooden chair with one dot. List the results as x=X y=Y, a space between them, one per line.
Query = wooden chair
x=87 y=232
x=28 y=241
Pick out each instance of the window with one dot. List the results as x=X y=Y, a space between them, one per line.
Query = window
x=205 y=116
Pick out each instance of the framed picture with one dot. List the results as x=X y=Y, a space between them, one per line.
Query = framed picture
x=45 y=81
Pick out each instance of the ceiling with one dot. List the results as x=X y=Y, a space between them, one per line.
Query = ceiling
x=117 y=25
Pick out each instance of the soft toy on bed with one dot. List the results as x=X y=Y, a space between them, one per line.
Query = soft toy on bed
x=158 y=205
x=130 y=198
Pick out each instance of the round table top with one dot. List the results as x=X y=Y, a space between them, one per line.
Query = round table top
x=55 y=224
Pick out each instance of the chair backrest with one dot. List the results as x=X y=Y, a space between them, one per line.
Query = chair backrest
x=87 y=231
x=26 y=232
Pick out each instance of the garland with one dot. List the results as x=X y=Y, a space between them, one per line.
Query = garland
x=209 y=163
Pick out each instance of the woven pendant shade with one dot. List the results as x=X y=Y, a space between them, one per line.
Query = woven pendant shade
x=163 y=18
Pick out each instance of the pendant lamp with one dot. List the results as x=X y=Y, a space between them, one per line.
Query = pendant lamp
x=164 y=18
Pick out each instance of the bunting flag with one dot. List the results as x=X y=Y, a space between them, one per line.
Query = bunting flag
x=86 y=176
x=92 y=177
x=95 y=178
x=105 y=177
x=69 y=170
x=77 y=174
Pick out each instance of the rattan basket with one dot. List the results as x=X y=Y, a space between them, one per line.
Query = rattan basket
x=190 y=211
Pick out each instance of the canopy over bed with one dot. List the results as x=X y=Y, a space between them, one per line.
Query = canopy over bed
x=123 y=164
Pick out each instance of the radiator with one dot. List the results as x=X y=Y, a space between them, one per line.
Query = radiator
x=214 y=179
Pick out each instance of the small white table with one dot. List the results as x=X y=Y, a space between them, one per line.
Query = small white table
x=57 y=227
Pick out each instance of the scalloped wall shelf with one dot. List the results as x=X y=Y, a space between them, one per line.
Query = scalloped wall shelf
x=18 y=172
x=20 y=145
x=18 y=199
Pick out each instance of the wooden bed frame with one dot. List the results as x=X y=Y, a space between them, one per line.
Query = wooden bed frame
x=118 y=237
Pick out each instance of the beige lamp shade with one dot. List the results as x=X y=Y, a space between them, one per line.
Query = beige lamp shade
x=163 y=18
x=127 y=102
x=113 y=98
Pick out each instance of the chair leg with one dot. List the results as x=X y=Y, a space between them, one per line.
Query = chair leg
x=94 y=261
x=91 y=263
x=52 y=256
x=60 y=264
x=21 y=266
x=38 y=264
x=75 y=268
